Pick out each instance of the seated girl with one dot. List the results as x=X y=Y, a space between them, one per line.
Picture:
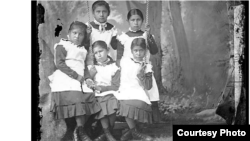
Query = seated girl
x=136 y=80
x=106 y=75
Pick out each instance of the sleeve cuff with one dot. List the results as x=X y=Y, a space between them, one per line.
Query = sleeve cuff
x=80 y=78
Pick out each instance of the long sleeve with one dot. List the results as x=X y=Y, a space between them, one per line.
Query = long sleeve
x=115 y=84
x=146 y=80
x=86 y=43
x=152 y=45
x=114 y=42
x=86 y=73
x=60 y=56
x=120 y=50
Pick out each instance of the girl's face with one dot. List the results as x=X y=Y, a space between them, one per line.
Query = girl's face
x=76 y=35
x=101 y=14
x=138 y=53
x=100 y=53
x=135 y=22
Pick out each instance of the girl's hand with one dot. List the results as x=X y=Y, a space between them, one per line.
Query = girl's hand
x=92 y=71
x=90 y=83
x=141 y=72
x=98 y=88
x=147 y=29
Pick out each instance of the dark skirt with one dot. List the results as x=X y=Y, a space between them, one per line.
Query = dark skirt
x=109 y=105
x=68 y=104
x=136 y=109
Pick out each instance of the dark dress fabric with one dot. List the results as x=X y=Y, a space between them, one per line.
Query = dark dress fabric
x=109 y=104
x=136 y=109
x=68 y=104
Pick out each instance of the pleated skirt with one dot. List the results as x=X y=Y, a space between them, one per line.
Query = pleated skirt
x=109 y=105
x=69 y=104
x=135 y=109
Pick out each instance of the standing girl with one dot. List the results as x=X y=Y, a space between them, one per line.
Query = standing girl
x=135 y=20
x=70 y=95
x=107 y=80
x=100 y=29
x=133 y=96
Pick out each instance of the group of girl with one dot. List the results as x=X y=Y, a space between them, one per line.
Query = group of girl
x=89 y=81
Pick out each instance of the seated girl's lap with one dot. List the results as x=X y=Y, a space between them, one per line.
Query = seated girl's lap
x=72 y=97
x=105 y=98
x=137 y=103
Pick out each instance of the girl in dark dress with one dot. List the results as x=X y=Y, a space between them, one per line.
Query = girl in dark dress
x=136 y=79
x=135 y=20
x=106 y=76
x=70 y=95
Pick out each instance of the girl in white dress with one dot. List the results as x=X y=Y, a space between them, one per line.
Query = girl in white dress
x=70 y=95
x=100 y=29
x=134 y=100
x=135 y=20
x=107 y=80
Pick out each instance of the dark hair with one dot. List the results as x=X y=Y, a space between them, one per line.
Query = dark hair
x=100 y=3
x=99 y=43
x=84 y=27
x=135 y=12
x=139 y=42
x=77 y=24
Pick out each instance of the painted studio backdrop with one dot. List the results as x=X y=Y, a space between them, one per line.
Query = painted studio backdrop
x=194 y=65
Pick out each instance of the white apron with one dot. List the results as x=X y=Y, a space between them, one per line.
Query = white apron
x=75 y=58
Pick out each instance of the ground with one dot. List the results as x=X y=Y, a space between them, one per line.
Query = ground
x=54 y=130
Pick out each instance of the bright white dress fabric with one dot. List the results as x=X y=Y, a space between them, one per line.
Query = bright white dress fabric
x=106 y=36
x=104 y=76
x=130 y=88
x=75 y=58
x=126 y=41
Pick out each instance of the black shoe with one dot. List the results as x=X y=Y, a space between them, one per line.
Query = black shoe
x=126 y=136
x=102 y=137
x=80 y=134
x=140 y=136
x=108 y=135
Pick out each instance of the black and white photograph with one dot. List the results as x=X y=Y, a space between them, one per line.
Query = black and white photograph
x=132 y=70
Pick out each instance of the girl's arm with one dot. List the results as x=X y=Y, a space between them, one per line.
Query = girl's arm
x=114 y=42
x=148 y=81
x=145 y=77
x=87 y=73
x=152 y=45
x=60 y=56
x=115 y=83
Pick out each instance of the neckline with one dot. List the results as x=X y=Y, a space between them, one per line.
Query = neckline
x=98 y=23
x=104 y=63
x=133 y=30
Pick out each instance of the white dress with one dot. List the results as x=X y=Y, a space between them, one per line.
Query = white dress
x=126 y=41
x=75 y=58
x=104 y=76
x=106 y=36
x=130 y=88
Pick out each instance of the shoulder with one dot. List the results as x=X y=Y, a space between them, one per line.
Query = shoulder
x=63 y=43
x=92 y=24
x=122 y=38
x=135 y=34
x=109 y=26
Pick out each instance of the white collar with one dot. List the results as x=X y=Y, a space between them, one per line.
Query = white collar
x=133 y=30
x=138 y=62
x=102 y=26
x=103 y=63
